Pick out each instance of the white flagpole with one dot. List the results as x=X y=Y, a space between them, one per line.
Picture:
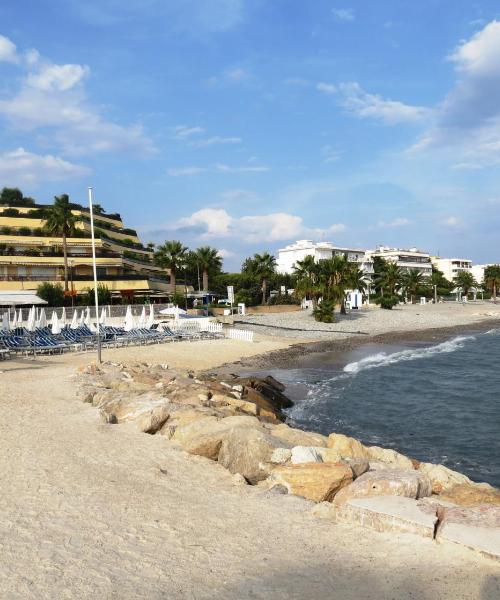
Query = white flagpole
x=99 y=359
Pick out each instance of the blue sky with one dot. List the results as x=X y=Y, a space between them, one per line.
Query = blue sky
x=248 y=124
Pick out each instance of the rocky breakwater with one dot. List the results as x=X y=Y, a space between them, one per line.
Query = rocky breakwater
x=239 y=422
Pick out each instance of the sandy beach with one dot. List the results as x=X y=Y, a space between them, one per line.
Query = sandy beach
x=91 y=510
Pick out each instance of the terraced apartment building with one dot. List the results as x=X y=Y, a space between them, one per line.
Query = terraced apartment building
x=30 y=256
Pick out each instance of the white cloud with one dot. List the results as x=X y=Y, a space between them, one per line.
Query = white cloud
x=19 y=167
x=182 y=132
x=215 y=221
x=328 y=88
x=451 y=222
x=52 y=97
x=480 y=55
x=222 y=168
x=237 y=74
x=372 y=106
x=57 y=78
x=343 y=14
x=8 y=50
x=185 y=171
x=211 y=223
x=467 y=122
x=397 y=222
x=224 y=253
x=330 y=154
x=216 y=140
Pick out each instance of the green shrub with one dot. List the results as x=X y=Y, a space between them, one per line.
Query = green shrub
x=388 y=302
x=6 y=230
x=324 y=312
x=284 y=299
x=10 y=212
x=103 y=295
x=53 y=293
x=24 y=231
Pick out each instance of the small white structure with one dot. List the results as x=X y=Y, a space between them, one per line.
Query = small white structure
x=355 y=299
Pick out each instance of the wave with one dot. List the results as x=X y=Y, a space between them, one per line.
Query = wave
x=381 y=359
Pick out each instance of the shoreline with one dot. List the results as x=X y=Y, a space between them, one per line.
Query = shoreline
x=289 y=357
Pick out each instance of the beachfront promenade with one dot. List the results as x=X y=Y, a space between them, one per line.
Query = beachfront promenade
x=92 y=510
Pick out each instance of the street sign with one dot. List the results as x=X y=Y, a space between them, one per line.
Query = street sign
x=230 y=294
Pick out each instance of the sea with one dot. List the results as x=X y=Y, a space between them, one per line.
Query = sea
x=437 y=403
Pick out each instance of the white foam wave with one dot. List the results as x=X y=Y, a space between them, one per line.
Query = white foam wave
x=381 y=359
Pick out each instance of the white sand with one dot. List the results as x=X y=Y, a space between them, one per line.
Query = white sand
x=86 y=512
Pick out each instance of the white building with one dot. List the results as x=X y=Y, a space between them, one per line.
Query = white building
x=478 y=272
x=451 y=267
x=410 y=259
x=293 y=253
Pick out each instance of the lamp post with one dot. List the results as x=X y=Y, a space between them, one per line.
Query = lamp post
x=94 y=266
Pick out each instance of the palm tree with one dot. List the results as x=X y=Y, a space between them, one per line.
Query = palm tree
x=171 y=255
x=355 y=278
x=333 y=277
x=464 y=280
x=60 y=221
x=264 y=266
x=209 y=260
x=492 y=279
x=390 y=278
x=412 y=280
x=306 y=272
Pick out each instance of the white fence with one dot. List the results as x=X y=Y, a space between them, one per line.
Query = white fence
x=211 y=327
x=240 y=334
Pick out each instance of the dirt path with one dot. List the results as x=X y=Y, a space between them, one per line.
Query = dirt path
x=89 y=510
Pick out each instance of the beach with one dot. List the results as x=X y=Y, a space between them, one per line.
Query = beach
x=92 y=510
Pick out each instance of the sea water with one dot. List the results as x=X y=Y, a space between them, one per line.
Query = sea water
x=438 y=403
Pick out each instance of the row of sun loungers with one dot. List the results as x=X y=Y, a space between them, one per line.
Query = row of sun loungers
x=43 y=341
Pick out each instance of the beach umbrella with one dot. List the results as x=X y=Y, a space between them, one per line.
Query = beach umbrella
x=142 y=319
x=102 y=320
x=129 y=320
x=42 y=321
x=173 y=310
x=63 y=317
x=54 y=323
x=20 y=318
x=81 y=321
x=5 y=321
x=30 y=324
x=74 y=320
x=86 y=319
x=151 y=318
x=13 y=325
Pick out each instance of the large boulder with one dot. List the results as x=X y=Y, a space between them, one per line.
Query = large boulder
x=346 y=446
x=298 y=437
x=182 y=416
x=387 y=513
x=248 y=451
x=204 y=437
x=441 y=477
x=149 y=411
x=465 y=494
x=387 y=455
x=410 y=484
x=305 y=454
x=315 y=481
x=477 y=528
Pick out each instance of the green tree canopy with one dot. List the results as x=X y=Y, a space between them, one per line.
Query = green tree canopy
x=61 y=222
x=171 y=255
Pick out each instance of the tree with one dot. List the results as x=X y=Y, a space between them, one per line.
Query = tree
x=306 y=272
x=492 y=279
x=60 y=221
x=14 y=196
x=389 y=279
x=333 y=280
x=412 y=280
x=465 y=281
x=262 y=266
x=171 y=255
x=209 y=261
x=355 y=278
x=52 y=293
x=103 y=295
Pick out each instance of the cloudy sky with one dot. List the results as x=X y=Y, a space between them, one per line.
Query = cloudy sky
x=248 y=124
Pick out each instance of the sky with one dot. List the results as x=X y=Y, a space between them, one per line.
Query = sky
x=249 y=124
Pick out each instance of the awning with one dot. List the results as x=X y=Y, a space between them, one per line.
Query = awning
x=19 y=298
